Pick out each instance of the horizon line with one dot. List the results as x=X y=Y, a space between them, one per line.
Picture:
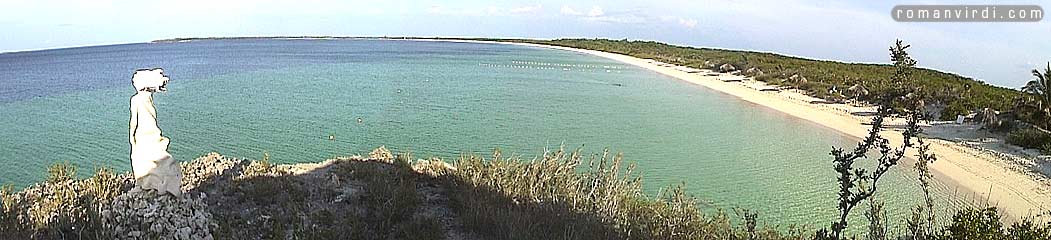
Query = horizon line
x=386 y=37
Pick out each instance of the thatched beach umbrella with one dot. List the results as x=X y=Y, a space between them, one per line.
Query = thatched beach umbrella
x=857 y=91
x=798 y=79
x=727 y=68
x=753 y=71
x=989 y=118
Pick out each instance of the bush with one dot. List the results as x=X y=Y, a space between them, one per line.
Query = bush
x=62 y=206
x=562 y=195
x=550 y=198
x=985 y=224
x=975 y=224
x=1030 y=138
x=936 y=86
x=955 y=108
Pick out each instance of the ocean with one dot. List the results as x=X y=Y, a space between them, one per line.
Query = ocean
x=301 y=101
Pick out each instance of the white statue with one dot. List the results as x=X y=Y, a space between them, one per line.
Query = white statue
x=153 y=166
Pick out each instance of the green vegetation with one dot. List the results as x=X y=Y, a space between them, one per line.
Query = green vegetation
x=857 y=184
x=62 y=206
x=946 y=94
x=1031 y=138
x=1034 y=109
x=346 y=197
x=561 y=195
x=825 y=79
x=549 y=198
x=1038 y=103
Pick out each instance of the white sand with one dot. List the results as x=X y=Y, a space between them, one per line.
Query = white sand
x=983 y=173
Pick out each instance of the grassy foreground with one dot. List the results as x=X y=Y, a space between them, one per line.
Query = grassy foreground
x=561 y=195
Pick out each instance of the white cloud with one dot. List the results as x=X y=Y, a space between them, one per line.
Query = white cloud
x=566 y=10
x=526 y=9
x=598 y=14
x=685 y=22
x=482 y=11
x=435 y=9
x=465 y=11
x=617 y=19
x=596 y=11
x=689 y=23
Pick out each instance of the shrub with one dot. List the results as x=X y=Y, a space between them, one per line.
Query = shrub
x=62 y=206
x=1029 y=138
x=985 y=224
x=975 y=224
x=8 y=214
x=955 y=108
x=61 y=172
x=550 y=198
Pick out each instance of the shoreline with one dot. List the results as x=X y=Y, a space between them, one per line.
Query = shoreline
x=977 y=174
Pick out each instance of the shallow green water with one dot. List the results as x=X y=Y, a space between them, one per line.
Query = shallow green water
x=434 y=99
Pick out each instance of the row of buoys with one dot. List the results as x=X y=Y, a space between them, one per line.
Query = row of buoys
x=565 y=65
x=540 y=67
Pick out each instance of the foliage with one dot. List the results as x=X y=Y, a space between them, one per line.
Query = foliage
x=934 y=86
x=975 y=224
x=859 y=184
x=9 y=222
x=549 y=198
x=1029 y=138
x=985 y=224
x=1035 y=106
x=562 y=195
x=922 y=223
x=1041 y=84
x=952 y=110
x=60 y=207
x=61 y=172
x=346 y=198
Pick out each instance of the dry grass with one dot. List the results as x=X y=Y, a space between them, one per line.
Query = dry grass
x=561 y=195
x=342 y=198
x=553 y=198
x=62 y=206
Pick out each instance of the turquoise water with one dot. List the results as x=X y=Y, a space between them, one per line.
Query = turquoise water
x=287 y=97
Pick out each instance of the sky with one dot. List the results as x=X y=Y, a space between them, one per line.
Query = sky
x=854 y=31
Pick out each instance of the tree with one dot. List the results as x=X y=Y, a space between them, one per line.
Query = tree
x=1039 y=85
x=1036 y=109
x=857 y=184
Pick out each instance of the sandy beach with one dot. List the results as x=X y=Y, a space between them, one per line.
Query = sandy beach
x=979 y=174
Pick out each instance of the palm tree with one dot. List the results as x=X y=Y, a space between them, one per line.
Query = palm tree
x=1040 y=86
